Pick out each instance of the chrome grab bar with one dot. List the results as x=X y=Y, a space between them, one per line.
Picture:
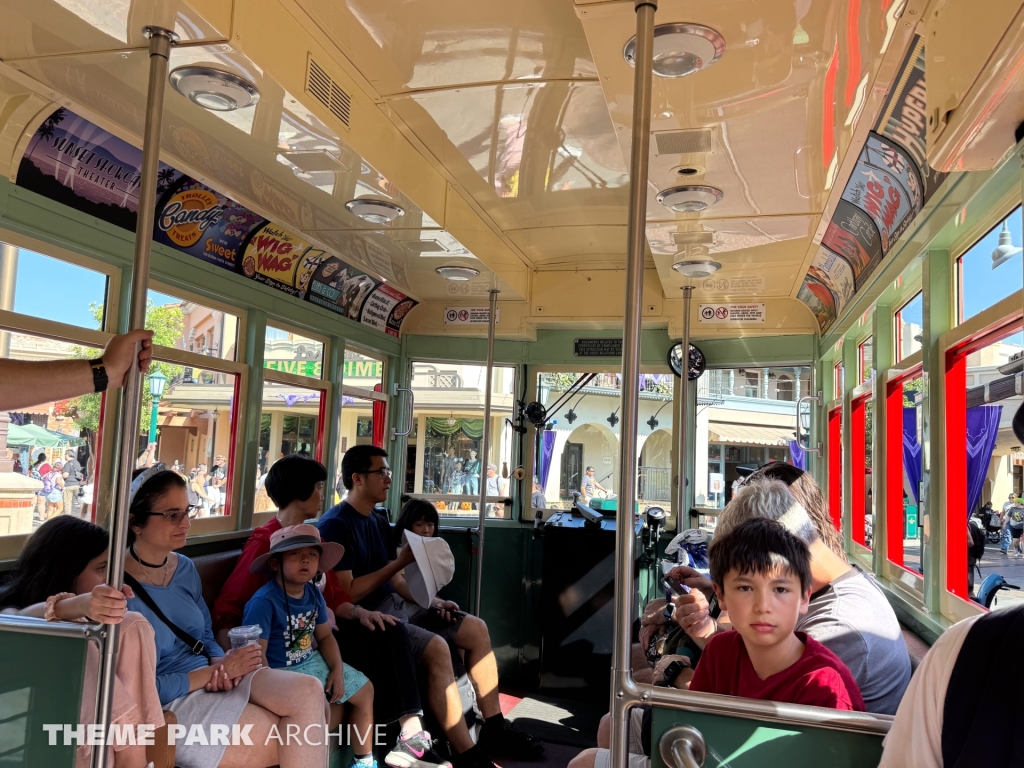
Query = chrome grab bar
x=408 y=422
x=809 y=399
x=11 y=622
x=682 y=746
x=457 y=497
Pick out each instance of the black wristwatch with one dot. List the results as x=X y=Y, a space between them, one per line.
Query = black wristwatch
x=100 y=381
x=671 y=673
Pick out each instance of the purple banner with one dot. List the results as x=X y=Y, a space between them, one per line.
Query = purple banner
x=799 y=455
x=982 y=430
x=547 y=448
x=911 y=453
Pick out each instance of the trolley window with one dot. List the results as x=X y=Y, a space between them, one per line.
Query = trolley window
x=191 y=327
x=991 y=269
x=909 y=327
x=293 y=353
x=861 y=501
x=865 y=361
x=904 y=531
x=51 y=288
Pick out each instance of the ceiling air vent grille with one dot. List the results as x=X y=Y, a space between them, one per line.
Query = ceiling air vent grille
x=685 y=142
x=322 y=87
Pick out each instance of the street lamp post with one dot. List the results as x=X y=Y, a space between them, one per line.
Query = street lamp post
x=157 y=384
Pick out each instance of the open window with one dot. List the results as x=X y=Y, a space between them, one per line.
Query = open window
x=835 y=465
x=904 y=533
x=861 y=501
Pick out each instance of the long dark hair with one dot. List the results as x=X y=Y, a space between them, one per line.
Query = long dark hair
x=414 y=511
x=151 y=491
x=52 y=559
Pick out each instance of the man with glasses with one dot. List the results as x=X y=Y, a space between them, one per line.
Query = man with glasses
x=372 y=576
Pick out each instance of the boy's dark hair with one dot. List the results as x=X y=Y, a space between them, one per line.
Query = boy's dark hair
x=759 y=546
x=293 y=478
x=358 y=460
x=414 y=511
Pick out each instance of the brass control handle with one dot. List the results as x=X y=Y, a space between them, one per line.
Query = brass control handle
x=682 y=746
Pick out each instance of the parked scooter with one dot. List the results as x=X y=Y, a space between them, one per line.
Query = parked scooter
x=992 y=584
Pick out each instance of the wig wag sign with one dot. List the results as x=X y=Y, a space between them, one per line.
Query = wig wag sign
x=77 y=163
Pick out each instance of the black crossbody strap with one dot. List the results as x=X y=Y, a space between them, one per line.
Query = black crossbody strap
x=196 y=646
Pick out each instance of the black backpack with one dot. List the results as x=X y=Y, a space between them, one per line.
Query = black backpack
x=977 y=546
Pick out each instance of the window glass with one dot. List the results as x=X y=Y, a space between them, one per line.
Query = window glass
x=362 y=371
x=989 y=271
x=995 y=465
x=191 y=327
x=289 y=423
x=862 y=413
x=194 y=420
x=839 y=381
x=909 y=327
x=56 y=431
x=444 y=449
x=54 y=289
x=359 y=417
x=913 y=531
x=866 y=361
x=746 y=417
x=292 y=353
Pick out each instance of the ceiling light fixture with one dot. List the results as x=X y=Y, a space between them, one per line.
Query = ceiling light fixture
x=696 y=268
x=374 y=211
x=457 y=273
x=690 y=198
x=214 y=89
x=681 y=49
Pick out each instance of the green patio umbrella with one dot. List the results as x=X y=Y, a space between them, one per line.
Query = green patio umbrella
x=36 y=436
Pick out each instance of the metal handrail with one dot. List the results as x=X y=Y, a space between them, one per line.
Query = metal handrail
x=457 y=497
x=34 y=626
x=408 y=422
x=683 y=746
x=809 y=399
x=485 y=453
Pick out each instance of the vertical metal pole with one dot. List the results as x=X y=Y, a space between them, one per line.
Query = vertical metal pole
x=160 y=42
x=485 y=454
x=8 y=282
x=624 y=587
x=682 y=425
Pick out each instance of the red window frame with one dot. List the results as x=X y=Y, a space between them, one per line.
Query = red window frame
x=894 y=523
x=956 y=446
x=858 y=460
x=835 y=467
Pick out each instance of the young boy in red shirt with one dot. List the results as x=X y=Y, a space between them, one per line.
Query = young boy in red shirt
x=762 y=576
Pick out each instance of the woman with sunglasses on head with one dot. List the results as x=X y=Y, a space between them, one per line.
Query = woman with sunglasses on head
x=196 y=680
x=60 y=576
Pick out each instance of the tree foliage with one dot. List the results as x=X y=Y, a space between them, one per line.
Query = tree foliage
x=168 y=325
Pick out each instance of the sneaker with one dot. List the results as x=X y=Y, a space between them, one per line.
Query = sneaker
x=505 y=740
x=416 y=751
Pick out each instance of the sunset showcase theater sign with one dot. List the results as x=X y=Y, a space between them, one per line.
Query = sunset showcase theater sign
x=75 y=162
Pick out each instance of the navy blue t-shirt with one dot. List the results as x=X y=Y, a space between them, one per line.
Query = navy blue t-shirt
x=288 y=625
x=367 y=543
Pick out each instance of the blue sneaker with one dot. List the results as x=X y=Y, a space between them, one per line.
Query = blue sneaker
x=358 y=764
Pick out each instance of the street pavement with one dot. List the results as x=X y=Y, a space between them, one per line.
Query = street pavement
x=1009 y=567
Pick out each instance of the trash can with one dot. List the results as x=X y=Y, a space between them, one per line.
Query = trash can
x=910 y=520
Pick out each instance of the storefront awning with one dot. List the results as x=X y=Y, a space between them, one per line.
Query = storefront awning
x=749 y=435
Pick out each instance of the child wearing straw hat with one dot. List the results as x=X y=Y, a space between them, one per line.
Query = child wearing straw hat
x=291 y=614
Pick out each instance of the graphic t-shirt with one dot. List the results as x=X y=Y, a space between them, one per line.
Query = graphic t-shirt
x=817 y=679
x=367 y=543
x=287 y=623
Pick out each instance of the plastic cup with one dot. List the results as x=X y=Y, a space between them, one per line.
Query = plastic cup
x=243 y=636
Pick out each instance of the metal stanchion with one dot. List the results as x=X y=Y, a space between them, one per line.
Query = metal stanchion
x=160 y=42
x=624 y=588
x=682 y=422
x=485 y=454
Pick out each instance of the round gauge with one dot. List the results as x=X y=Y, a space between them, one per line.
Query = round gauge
x=697 y=362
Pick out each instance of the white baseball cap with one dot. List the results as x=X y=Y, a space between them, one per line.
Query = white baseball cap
x=434 y=567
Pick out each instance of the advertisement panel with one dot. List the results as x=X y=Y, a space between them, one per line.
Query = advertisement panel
x=853 y=235
x=820 y=299
x=834 y=271
x=77 y=163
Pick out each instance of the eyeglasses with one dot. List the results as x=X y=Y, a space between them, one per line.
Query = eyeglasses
x=175 y=516
x=384 y=472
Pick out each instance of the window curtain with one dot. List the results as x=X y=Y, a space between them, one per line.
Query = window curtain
x=379 y=416
x=982 y=429
x=911 y=454
x=547 y=448
x=799 y=455
x=471 y=428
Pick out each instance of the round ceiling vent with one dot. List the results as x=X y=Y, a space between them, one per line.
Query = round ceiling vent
x=457 y=273
x=691 y=198
x=214 y=89
x=681 y=49
x=375 y=211
x=696 y=268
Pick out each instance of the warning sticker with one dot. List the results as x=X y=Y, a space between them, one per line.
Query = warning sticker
x=731 y=313
x=753 y=282
x=470 y=315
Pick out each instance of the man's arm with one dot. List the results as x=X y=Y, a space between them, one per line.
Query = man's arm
x=26 y=383
x=358 y=588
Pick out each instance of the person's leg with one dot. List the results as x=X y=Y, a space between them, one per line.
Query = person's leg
x=262 y=753
x=475 y=640
x=586 y=759
x=298 y=701
x=360 y=717
x=444 y=698
x=69 y=497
